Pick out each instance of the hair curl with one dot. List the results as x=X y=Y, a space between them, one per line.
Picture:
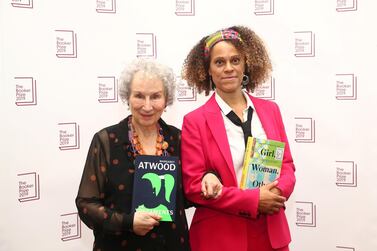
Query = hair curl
x=257 y=62
x=151 y=69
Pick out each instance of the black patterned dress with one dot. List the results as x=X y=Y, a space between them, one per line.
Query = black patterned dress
x=105 y=194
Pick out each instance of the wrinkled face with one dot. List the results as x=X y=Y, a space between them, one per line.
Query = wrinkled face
x=147 y=100
x=226 y=67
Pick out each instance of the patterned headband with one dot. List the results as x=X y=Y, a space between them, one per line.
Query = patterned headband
x=218 y=36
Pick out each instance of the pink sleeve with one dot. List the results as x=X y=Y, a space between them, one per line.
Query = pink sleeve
x=287 y=177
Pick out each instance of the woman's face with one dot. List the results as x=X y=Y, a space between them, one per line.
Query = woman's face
x=147 y=100
x=226 y=67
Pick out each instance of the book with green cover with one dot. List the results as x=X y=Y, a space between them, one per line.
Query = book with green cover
x=155 y=185
x=262 y=162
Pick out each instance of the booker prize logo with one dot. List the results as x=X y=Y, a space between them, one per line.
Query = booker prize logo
x=305 y=130
x=185 y=7
x=304 y=44
x=26 y=91
x=346 y=173
x=66 y=44
x=106 y=6
x=264 y=7
x=184 y=91
x=346 y=86
x=305 y=214
x=346 y=5
x=22 y=4
x=69 y=136
x=266 y=90
x=70 y=226
x=107 y=89
x=341 y=248
x=146 y=45
x=28 y=187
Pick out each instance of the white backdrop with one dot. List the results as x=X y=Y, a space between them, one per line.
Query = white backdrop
x=60 y=61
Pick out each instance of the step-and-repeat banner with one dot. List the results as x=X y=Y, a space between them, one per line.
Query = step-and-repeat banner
x=60 y=65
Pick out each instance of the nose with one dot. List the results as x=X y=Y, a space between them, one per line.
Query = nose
x=147 y=105
x=228 y=66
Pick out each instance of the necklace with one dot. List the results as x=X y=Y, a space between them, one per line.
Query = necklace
x=137 y=147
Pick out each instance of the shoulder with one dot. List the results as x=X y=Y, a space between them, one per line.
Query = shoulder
x=263 y=104
x=173 y=130
x=172 y=135
x=169 y=129
x=122 y=125
x=210 y=106
x=110 y=129
x=198 y=112
x=260 y=101
x=118 y=130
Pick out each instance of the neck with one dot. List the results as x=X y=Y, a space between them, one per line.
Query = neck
x=147 y=140
x=144 y=131
x=235 y=100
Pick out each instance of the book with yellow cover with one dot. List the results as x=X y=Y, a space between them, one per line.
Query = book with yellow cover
x=262 y=162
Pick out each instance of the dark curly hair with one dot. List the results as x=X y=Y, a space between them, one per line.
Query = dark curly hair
x=257 y=62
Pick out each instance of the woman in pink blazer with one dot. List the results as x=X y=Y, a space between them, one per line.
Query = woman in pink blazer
x=244 y=220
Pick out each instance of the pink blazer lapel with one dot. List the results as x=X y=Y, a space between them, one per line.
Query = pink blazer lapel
x=266 y=117
x=216 y=125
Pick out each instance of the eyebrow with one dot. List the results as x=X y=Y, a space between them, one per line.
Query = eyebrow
x=141 y=92
x=222 y=57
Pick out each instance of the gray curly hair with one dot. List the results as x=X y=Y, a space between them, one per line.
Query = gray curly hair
x=150 y=68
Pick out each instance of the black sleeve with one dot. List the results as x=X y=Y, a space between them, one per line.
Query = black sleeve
x=91 y=194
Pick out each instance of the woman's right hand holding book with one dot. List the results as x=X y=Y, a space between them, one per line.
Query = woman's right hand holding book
x=145 y=222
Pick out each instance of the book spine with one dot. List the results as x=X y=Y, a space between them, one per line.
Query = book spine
x=246 y=159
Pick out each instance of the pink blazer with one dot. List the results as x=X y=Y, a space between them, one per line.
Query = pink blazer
x=221 y=224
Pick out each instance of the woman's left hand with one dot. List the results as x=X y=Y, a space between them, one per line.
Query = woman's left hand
x=211 y=186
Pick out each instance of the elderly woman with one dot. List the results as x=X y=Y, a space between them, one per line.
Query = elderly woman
x=105 y=193
x=213 y=138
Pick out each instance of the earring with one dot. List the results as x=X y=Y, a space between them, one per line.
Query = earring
x=245 y=81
